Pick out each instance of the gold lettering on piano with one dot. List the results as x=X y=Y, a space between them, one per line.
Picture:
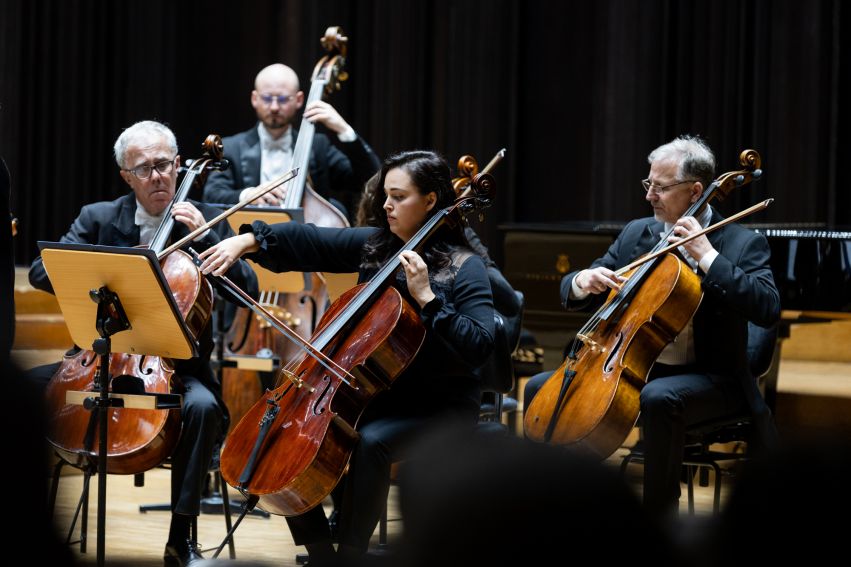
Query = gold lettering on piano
x=562 y=264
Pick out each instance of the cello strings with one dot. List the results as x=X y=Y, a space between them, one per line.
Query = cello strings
x=304 y=345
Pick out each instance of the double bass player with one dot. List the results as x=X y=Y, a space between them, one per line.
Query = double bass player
x=265 y=151
x=703 y=374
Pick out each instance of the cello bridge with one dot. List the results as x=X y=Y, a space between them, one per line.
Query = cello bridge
x=592 y=344
x=297 y=381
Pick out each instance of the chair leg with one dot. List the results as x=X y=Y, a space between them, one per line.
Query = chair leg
x=54 y=488
x=382 y=528
x=625 y=462
x=716 y=499
x=704 y=476
x=82 y=506
x=690 y=476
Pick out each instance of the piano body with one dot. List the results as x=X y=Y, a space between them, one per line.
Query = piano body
x=812 y=269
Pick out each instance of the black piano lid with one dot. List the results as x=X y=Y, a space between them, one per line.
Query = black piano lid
x=811 y=264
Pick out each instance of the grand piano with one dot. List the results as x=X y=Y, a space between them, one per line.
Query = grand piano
x=811 y=265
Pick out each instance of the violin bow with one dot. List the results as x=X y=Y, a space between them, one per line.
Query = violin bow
x=260 y=191
x=749 y=211
x=305 y=345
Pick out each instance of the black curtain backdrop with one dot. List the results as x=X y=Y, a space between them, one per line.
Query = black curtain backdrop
x=577 y=91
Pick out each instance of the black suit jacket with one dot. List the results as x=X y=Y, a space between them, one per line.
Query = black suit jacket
x=337 y=170
x=112 y=223
x=738 y=288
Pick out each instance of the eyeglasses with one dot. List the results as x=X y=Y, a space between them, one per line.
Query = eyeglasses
x=268 y=99
x=659 y=189
x=145 y=171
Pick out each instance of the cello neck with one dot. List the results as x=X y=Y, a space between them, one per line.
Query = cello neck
x=212 y=158
x=167 y=224
x=380 y=280
x=481 y=196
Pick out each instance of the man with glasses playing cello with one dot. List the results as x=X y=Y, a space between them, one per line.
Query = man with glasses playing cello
x=703 y=374
x=147 y=155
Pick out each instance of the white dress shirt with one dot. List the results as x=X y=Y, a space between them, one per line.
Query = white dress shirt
x=147 y=223
x=276 y=156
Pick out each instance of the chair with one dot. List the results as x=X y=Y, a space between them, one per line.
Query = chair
x=497 y=374
x=698 y=454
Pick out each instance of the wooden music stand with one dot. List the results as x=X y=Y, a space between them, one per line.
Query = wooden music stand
x=287 y=282
x=104 y=291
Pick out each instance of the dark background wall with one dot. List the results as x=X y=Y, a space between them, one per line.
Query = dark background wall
x=578 y=92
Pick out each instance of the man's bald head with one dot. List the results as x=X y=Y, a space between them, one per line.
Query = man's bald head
x=276 y=74
x=276 y=98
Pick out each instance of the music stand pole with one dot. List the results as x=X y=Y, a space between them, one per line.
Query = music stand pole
x=110 y=320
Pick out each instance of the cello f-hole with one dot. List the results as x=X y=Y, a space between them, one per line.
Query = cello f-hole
x=236 y=347
x=142 y=369
x=319 y=406
x=608 y=366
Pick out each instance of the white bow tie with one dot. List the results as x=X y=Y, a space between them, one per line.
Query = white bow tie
x=148 y=224
x=284 y=143
x=147 y=220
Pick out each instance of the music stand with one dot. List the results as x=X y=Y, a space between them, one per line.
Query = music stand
x=123 y=291
x=287 y=282
x=284 y=282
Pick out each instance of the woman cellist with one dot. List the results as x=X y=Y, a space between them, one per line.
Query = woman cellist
x=148 y=157
x=447 y=284
x=702 y=374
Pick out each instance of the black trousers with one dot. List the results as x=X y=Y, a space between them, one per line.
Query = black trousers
x=673 y=399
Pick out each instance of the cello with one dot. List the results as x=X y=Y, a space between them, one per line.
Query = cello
x=137 y=439
x=592 y=401
x=250 y=334
x=291 y=448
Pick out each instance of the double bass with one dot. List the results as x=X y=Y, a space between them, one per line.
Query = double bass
x=137 y=439
x=250 y=334
x=592 y=401
x=291 y=448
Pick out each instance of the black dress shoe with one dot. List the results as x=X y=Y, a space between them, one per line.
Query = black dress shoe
x=182 y=554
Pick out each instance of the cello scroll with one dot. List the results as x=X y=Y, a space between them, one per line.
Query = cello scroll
x=330 y=67
x=751 y=161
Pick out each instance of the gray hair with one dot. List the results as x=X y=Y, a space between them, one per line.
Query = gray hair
x=693 y=157
x=142 y=133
